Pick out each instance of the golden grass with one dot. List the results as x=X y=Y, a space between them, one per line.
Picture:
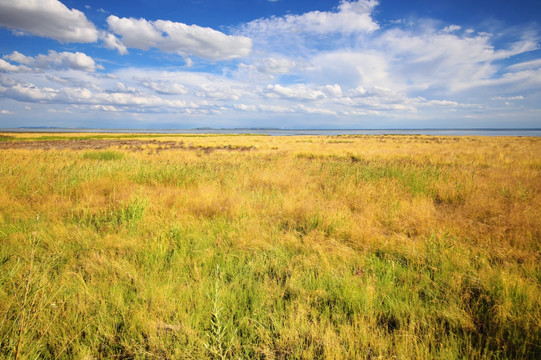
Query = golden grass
x=174 y=246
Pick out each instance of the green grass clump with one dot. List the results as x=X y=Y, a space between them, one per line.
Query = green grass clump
x=114 y=215
x=103 y=155
x=7 y=138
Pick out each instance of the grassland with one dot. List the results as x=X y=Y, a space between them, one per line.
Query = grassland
x=352 y=247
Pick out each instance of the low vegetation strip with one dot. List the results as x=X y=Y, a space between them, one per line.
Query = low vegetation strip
x=133 y=145
x=372 y=247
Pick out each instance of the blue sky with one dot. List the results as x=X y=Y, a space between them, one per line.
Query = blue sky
x=262 y=63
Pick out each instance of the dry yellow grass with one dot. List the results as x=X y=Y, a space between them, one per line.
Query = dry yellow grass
x=173 y=246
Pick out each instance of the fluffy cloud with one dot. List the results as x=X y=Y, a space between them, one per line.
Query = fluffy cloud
x=56 y=60
x=300 y=92
x=451 y=28
x=47 y=18
x=445 y=61
x=350 y=68
x=7 y=67
x=350 y=17
x=163 y=87
x=28 y=92
x=112 y=42
x=275 y=66
x=174 y=37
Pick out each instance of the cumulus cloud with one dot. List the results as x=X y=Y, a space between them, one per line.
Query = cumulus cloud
x=350 y=68
x=112 y=42
x=219 y=92
x=56 y=60
x=7 y=67
x=47 y=18
x=275 y=66
x=451 y=28
x=28 y=92
x=174 y=37
x=163 y=87
x=303 y=92
x=314 y=110
x=349 y=17
x=300 y=92
x=122 y=88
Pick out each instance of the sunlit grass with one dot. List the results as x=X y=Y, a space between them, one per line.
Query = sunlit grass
x=272 y=247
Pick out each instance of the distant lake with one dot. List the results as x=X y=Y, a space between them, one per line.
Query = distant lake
x=297 y=132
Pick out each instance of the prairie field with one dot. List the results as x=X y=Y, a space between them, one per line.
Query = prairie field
x=161 y=246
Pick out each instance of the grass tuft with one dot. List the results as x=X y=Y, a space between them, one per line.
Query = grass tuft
x=103 y=155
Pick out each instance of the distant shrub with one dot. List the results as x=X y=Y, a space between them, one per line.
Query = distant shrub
x=103 y=155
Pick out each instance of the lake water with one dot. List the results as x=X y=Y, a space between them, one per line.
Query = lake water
x=297 y=132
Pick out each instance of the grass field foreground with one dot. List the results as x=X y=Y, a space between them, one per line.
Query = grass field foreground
x=345 y=247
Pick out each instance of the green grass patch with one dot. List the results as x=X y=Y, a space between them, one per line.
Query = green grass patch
x=113 y=217
x=103 y=155
x=7 y=138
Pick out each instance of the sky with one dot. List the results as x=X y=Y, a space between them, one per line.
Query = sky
x=312 y=64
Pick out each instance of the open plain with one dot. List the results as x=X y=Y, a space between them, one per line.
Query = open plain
x=161 y=246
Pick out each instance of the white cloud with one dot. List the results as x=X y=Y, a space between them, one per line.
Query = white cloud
x=314 y=110
x=445 y=103
x=533 y=64
x=174 y=37
x=29 y=93
x=332 y=91
x=56 y=60
x=112 y=42
x=122 y=88
x=200 y=85
x=350 y=68
x=107 y=108
x=300 y=92
x=448 y=62
x=6 y=112
x=163 y=87
x=275 y=66
x=7 y=67
x=219 y=92
x=350 y=17
x=519 y=97
x=47 y=18
x=451 y=28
